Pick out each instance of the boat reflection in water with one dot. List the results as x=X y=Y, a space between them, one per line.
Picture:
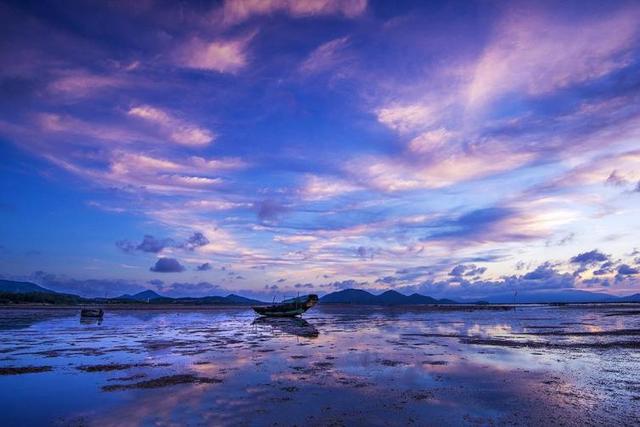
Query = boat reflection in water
x=288 y=325
x=91 y=320
x=89 y=316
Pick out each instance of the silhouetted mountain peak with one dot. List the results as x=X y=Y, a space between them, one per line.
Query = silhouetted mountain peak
x=141 y=296
x=349 y=296
x=22 y=287
x=147 y=294
x=390 y=297
x=237 y=299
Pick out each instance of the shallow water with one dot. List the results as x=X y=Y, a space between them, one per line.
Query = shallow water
x=340 y=366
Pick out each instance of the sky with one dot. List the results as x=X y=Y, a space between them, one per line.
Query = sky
x=266 y=148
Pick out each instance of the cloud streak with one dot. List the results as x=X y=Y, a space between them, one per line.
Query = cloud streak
x=178 y=130
x=221 y=56
x=536 y=53
x=236 y=11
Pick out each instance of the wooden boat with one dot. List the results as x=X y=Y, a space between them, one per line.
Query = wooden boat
x=92 y=312
x=288 y=308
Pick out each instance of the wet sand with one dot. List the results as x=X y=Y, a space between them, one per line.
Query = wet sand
x=341 y=365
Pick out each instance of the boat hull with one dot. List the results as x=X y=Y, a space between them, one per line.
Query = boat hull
x=92 y=312
x=274 y=312
x=289 y=308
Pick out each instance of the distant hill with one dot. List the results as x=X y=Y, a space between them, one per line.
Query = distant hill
x=630 y=298
x=152 y=297
x=49 y=298
x=12 y=292
x=143 y=296
x=391 y=297
x=237 y=299
x=22 y=287
x=349 y=296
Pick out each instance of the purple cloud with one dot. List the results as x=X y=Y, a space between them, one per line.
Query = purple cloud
x=269 y=210
x=148 y=244
x=467 y=270
x=303 y=285
x=589 y=258
x=204 y=267
x=238 y=11
x=195 y=241
x=167 y=265
x=544 y=277
x=181 y=289
x=151 y=244
x=626 y=270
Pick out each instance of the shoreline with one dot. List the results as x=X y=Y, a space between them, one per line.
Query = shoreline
x=321 y=306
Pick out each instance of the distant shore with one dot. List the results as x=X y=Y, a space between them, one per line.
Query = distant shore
x=320 y=306
x=122 y=307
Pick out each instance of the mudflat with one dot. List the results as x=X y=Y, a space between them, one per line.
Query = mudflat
x=340 y=365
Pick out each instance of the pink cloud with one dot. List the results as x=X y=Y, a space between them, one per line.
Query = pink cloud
x=537 y=53
x=194 y=171
x=439 y=168
x=222 y=56
x=408 y=117
x=208 y=205
x=179 y=131
x=80 y=83
x=295 y=239
x=620 y=170
x=236 y=11
x=430 y=142
x=325 y=56
x=222 y=164
x=137 y=172
x=52 y=124
x=318 y=188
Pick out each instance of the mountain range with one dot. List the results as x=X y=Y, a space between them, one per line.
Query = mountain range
x=153 y=297
x=358 y=296
x=16 y=292
x=26 y=292
x=22 y=287
x=143 y=296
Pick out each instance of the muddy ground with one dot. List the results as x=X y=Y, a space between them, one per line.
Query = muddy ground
x=575 y=365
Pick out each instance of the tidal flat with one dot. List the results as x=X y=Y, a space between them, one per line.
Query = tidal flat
x=341 y=365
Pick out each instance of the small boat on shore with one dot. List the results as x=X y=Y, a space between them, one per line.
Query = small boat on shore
x=92 y=312
x=288 y=308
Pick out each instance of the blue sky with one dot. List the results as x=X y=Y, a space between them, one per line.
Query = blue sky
x=451 y=148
